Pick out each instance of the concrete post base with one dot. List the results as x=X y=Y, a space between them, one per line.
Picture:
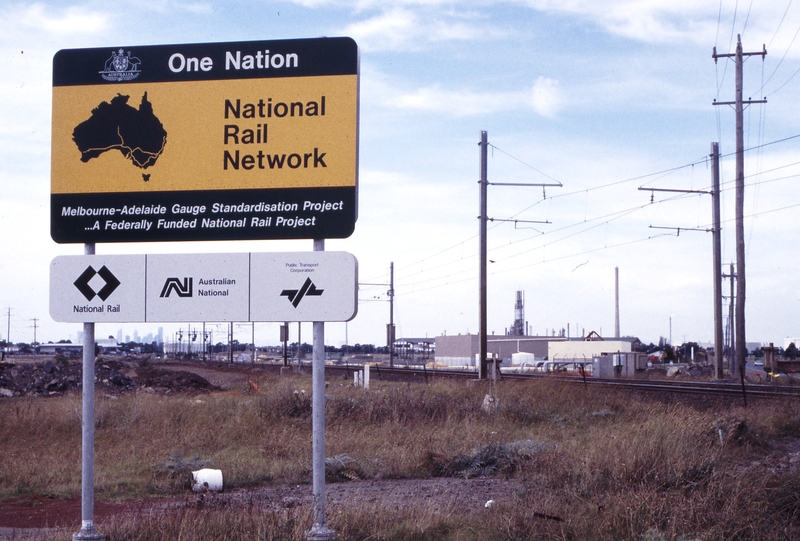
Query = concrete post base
x=320 y=532
x=87 y=534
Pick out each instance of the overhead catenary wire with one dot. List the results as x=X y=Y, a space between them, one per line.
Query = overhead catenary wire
x=581 y=253
x=609 y=216
x=408 y=281
x=656 y=175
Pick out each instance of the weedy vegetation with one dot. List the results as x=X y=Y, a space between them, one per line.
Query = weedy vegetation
x=591 y=463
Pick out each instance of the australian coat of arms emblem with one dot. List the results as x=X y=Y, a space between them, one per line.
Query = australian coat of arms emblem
x=121 y=67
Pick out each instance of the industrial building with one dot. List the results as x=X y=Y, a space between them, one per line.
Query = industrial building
x=462 y=349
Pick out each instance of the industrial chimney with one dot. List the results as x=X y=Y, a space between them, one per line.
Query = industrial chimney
x=518 y=329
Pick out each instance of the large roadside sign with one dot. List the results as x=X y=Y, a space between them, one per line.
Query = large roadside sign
x=213 y=141
x=284 y=286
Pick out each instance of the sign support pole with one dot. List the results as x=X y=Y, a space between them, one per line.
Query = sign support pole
x=319 y=531
x=87 y=532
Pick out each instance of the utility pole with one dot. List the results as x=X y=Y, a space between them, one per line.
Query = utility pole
x=717 y=244
x=741 y=344
x=230 y=343
x=731 y=322
x=35 y=326
x=390 y=333
x=616 y=303
x=285 y=338
x=33 y=345
x=8 y=331
x=483 y=258
x=716 y=229
x=484 y=184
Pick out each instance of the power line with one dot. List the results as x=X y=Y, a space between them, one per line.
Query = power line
x=585 y=252
x=780 y=24
x=747 y=18
x=494 y=147
x=659 y=174
x=765 y=83
x=607 y=219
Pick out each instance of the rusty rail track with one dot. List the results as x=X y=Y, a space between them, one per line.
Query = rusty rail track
x=725 y=388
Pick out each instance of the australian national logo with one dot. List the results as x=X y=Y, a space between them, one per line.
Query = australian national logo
x=121 y=67
x=182 y=288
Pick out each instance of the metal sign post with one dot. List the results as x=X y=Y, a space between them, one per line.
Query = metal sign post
x=87 y=531
x=319 y=531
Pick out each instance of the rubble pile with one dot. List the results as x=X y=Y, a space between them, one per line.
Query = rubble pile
x=61 y=375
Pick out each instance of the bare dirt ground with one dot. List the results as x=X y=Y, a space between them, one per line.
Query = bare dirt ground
x=25 y=517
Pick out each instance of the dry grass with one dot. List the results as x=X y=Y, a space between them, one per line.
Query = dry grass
x=621 y=466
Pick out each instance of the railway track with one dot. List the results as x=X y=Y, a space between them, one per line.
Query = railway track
x=731 y=389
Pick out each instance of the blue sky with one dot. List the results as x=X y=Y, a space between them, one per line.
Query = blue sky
x=600 y=96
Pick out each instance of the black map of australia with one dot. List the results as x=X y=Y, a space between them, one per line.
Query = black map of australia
x=137 y=133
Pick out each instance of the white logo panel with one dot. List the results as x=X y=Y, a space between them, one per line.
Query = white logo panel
x=197 y=287
x=285 y=286
x=303 y=286
x=97 y=288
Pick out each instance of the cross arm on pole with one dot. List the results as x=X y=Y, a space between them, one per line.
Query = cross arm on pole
x=762 y=53
x=644 y=189
x=556 y=184
x=749 y=101
x=519 y=221
x=679 y=229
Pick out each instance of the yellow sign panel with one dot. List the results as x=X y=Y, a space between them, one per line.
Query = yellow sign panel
x=218 y=135
x=218 y=141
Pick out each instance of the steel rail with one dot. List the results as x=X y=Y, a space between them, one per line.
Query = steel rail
x=760 y=390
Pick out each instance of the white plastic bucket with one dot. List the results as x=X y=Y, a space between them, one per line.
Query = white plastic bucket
x=207 y=480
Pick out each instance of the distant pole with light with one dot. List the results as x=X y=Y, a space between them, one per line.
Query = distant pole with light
x=616 y=302
x=390 y=334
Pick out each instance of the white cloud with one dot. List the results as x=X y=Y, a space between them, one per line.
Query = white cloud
x=38 y=17
x=361 y=5
x=166 y=6
x=645 y=20
x=674 y=21
x=390 y=30
x=546 y=97
x=458 y=103
x=404 y=29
